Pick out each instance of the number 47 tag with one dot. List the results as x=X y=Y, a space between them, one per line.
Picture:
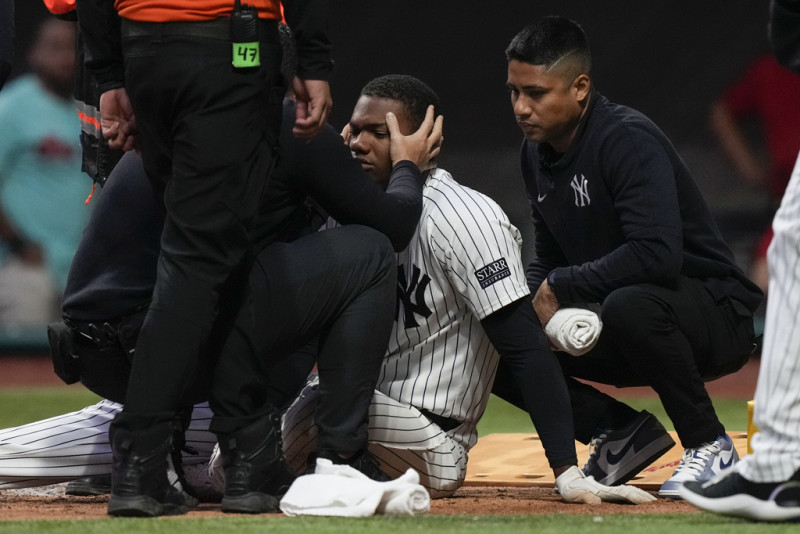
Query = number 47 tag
x=246 y=55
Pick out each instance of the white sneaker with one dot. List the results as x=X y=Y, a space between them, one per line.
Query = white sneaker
x=700 y=464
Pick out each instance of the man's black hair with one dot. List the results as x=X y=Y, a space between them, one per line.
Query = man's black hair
x=550 y=40
x=412 y=93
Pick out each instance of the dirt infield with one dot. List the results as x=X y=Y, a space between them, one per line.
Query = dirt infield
x=51 y=503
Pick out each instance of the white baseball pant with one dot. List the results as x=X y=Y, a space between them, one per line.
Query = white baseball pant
x=776 y=446
x=75 y=445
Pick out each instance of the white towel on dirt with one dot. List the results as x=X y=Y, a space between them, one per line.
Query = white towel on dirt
x=340 y=490
x=574 y=330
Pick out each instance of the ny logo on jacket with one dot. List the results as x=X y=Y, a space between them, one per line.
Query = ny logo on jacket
x=580 y=186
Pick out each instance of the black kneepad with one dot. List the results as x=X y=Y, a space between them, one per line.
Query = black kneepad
x=62 y=352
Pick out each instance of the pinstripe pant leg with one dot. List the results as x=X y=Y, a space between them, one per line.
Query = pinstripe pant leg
x=400 y=437
x=57 y=449
x=776 y=446
x=75 y=445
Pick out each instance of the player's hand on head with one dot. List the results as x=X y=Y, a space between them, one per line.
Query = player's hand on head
x=576 y=487
x=314 y=104
x=346 y=134
x=422 y=146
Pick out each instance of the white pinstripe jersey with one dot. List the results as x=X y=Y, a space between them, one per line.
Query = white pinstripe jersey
x=462 y=264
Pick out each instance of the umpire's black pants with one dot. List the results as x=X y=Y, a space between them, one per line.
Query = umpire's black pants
x=671 y=339
x=208 y=133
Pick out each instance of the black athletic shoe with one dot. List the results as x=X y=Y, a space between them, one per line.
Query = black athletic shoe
x=139 y=483
x=732 y=494
x=617 y=455
x=256 y=474
x=362 y=461
x=89 y=486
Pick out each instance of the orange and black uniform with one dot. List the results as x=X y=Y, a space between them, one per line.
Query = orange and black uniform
x=97 y=158
x=159 y=11
x=208 y=134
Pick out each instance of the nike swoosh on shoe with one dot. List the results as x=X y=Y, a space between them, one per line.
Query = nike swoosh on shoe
x=615 y=458
x=722 y=464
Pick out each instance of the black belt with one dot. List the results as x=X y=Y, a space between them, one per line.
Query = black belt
x=211 y=29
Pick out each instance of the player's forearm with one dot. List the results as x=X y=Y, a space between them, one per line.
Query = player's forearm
x=394 y=212
x=515 y=333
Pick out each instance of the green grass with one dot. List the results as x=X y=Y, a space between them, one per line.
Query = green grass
x=538 y=524
x=503 y=417
x=26 y=405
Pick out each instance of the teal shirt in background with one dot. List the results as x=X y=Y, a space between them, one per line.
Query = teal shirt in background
x=42 y=187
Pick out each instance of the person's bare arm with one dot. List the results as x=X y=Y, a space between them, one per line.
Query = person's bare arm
x=735 y=146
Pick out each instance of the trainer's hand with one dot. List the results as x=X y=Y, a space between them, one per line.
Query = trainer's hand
x=314 y=103
x=545 y=303
x=422 y=146
x=576 y=487
x=117 y=120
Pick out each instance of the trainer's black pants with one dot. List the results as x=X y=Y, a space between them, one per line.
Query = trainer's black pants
x=671 y=339
x=338 y=285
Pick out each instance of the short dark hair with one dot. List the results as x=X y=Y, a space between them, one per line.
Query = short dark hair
x=412 y=93
x=549 y=41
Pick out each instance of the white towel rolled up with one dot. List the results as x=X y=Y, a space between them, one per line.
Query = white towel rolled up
x=574 y=330
x=340 y=490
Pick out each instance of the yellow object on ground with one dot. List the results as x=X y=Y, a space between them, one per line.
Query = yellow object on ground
x=751 y=428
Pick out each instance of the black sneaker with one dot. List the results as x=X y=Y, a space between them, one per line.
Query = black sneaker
x=617 y=455
x=139 y=483
x=362 y=461
x=732 y=494
x=89 y=486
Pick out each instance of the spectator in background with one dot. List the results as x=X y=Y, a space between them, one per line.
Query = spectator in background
x=6 y=39
x=771 y=94
x=42 y=188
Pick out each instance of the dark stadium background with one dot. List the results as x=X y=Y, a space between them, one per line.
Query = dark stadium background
x=666 y=58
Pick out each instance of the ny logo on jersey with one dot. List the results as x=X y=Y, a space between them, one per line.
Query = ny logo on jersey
x=581 y=189
x=417 y=285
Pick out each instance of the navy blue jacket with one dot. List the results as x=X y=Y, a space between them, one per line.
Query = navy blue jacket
x=620 y=208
